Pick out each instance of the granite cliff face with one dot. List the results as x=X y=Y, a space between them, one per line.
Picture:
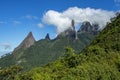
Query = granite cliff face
x=27 y=42
x=89 y=28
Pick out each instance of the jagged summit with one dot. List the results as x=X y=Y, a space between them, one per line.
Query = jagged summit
x=47 y=37
x=45 y=50
x=70 y=32
x=27 y=42
x=87 y=27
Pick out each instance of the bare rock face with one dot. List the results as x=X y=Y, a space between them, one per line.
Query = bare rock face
x=87 y=27
x=70 y=32
x=67 y=33
x=95 y=27
x=47 y=37
x=27 y=42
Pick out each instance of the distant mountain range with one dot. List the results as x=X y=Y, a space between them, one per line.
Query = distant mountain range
x=31 y=53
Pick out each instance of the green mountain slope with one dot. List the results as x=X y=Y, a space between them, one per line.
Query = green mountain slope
x=45 y=51
x=32 y=54
x=99 y=61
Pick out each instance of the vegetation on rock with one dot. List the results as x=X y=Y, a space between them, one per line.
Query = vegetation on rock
x=99 y=61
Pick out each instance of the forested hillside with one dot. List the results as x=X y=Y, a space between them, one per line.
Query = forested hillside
x=31 y=53
x=99 y=61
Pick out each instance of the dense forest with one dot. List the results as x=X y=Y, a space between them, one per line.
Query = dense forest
x=99 y=61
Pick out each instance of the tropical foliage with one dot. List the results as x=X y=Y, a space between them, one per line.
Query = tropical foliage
x=99 y=61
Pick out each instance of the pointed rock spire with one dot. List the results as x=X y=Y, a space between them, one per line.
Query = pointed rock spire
x=73 y=24
x=47 y=37
x=27 y=42
x=70 y=32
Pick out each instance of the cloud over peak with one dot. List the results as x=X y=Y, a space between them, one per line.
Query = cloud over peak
x=62 y=20
x=57 y=19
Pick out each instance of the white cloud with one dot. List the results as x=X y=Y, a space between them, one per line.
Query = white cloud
x=57 y=19
x=31 y=17
x=40 y=25
x=6 y=45
x=62 y=20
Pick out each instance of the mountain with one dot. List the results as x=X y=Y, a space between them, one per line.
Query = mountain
x=99 y=61
x=31 y=53
x=47 y=37
x=27 y=42
x=87 y=27
x=70 y=32
x=11 y=58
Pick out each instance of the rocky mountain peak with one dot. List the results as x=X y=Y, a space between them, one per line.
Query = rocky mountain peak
x=87 y=27
x=47 y=37
x=27 y=42
x=70 y=32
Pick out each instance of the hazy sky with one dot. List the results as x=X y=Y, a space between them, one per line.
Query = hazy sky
x=19 y=17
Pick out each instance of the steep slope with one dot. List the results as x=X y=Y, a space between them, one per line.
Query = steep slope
x=99 y=61
x=46 y=50
x=27 y=42
x=12 y=59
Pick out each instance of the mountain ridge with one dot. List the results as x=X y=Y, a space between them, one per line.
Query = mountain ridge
x=27 y=42
x=98 y=61
x=37 y=54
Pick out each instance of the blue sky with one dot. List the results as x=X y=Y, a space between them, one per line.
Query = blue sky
x=19 y=17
